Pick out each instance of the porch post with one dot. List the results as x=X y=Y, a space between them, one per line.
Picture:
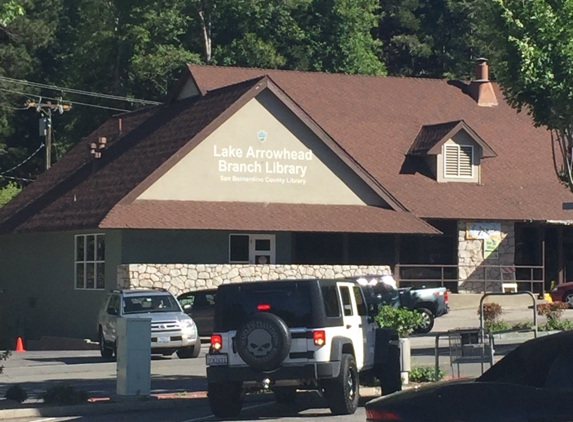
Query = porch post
x=397 y=258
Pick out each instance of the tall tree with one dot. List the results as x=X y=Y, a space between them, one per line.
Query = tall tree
x=433 y=38
x=535 y=43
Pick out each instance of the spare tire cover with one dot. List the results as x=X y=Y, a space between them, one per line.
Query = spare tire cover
x=263 y=341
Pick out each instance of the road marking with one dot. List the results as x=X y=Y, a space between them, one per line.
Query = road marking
x=44 y=420
x=204 y=418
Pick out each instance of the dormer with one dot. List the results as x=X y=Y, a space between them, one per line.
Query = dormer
x=453 y=151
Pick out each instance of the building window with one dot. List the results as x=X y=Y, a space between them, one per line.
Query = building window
x=90 y=261
x=251 y=249
x=458 y=160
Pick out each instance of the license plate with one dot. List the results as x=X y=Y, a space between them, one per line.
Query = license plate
x=163 y=340
x=216 y=360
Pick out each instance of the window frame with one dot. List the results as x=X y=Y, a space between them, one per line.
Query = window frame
x=85 y=262
x=252 y=249
x=459 y=149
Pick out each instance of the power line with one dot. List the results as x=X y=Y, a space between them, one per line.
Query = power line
x=57 y=99
x=78 y=91
x=23 y=162
x=17 y=178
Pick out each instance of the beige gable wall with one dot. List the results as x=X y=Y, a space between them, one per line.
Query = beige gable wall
x=263 y=153
x=461 y=138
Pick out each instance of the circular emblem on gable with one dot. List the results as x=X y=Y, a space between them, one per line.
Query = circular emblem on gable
x=261 y=136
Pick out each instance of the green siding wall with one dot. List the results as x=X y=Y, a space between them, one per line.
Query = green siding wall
x=188 y=247
x=40 y=268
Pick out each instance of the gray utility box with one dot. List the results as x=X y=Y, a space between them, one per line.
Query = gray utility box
x=133 y=356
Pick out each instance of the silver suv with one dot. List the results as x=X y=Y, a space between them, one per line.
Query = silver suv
x=171 y=329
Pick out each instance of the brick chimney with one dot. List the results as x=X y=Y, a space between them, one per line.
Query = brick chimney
x=481 y=88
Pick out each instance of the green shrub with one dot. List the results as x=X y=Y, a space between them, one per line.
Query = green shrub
x=556 y=324
x=491 y=311
x=3 y=356
x=522 y=326
x=553 y=311
x=425 y=374
x=63 y=394
x=495 y=326
x=16 y=393
x=403 y=320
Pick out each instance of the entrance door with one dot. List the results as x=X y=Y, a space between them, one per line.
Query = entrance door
x=262 y=249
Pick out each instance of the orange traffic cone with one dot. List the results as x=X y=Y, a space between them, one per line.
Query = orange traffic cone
x=19 y=345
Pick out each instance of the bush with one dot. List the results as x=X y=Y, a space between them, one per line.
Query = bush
x=556 y=324
x=491 y=311
x=16 y=393
x=496 y=326
x=553 y=311
x=63 y=394
x=3 y=356
x=403 y=320
x=425 y=374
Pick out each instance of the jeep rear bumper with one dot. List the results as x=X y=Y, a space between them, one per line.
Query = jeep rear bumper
x=315 y=371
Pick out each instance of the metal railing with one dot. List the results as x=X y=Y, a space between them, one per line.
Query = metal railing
x=528 y=277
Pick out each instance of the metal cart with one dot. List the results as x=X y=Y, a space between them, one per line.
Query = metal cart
x=470 y=345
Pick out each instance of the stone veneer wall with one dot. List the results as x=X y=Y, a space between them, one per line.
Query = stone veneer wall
x=179 y=278
x=474 y=270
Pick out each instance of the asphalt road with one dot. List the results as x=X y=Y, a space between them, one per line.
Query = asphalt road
x=86 y=370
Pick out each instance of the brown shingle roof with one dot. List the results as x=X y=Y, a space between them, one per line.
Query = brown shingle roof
x=78 y=192
x=262 y=216
x=375 y=120
x=429 y=136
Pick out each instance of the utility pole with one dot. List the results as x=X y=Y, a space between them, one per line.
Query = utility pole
x=46 y=109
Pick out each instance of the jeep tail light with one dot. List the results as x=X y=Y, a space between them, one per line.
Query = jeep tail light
x=319 y=338
x=381 y=415
x=216 y=342
x=446 y=296
x=263 y=307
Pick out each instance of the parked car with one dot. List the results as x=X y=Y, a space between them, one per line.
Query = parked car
x=531 y=383
x=171 y=329
x=431 y=302
x=563 y=293
x=289 y=335
x=200 y=305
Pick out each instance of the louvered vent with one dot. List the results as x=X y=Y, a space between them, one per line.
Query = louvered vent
x=451 y=155
x=458 y=161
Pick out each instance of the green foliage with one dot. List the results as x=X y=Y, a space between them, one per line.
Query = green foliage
x=63 y=394
x=3 y=356
x=553 y=310
x=493 y=326
x=16 y=393
x=426 y=374
x=403 y=320
x=9 y=10
x=556 y=324
x=535 y=43
x=8 y=192
x=491 y=311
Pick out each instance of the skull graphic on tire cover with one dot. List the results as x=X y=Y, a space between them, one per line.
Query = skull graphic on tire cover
x=259 y=343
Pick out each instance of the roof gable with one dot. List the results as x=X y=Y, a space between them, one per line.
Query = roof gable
x=431 y=138
x=165 y=182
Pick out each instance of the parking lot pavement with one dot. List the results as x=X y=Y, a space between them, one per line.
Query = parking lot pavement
x=86 y=370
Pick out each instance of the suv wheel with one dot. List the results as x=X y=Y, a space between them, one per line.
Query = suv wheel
x=225 y=400
x=342 y=392
x=428 y=321
x=105 y=351
x=263 y=341
x=285 y=394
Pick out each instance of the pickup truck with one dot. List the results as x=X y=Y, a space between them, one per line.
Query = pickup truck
x=431 y=302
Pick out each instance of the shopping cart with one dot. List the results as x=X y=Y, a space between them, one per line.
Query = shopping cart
x=470 y=345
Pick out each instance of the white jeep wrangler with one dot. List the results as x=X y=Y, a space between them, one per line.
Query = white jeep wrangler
x=291 y=335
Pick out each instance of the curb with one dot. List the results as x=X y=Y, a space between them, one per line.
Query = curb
x=102 y=406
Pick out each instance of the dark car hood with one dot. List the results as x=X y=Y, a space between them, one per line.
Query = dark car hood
x=418 y=392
